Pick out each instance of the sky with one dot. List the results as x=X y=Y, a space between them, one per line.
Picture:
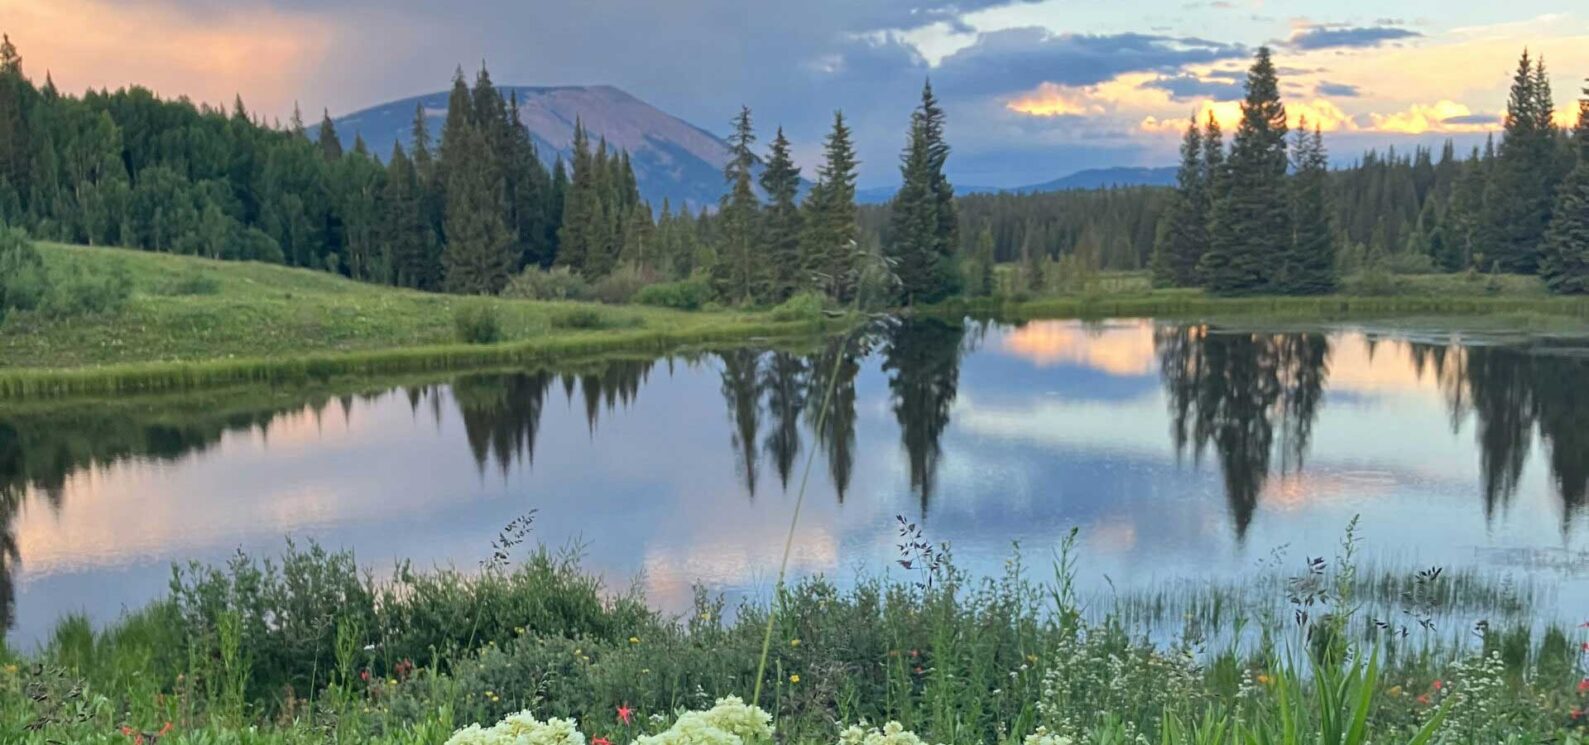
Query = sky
x=1034 y=89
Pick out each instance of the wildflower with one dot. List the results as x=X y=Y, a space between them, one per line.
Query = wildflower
x=1394 y=692
x=1437 y=685
x=364 y=675
x=1585 y=647
x=1031 y=659
x=489 y=694
x=634 y=640
x=915 y=653
x=600 y=741
x=625 y=714
x=518 y=630
x=1577 y=713
x=393 y=681
x=166 y=730
x=794 y=679
x=1423 y=698
x=1264 y=678
x=794 y=642
x=1583 y=685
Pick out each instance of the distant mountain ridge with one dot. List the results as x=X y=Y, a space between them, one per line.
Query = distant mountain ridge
x=1092 y=178
x=672 y=158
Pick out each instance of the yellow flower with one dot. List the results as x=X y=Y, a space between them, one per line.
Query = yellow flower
x=11 y=669
x=1264 y=679
x=1031 y=659
x=794 y=642
x=518 y=630
x=634 y=640
x=489 y=694
x=1394 y=692
x=794 y=679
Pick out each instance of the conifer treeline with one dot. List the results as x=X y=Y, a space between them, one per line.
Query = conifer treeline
x=466 y=212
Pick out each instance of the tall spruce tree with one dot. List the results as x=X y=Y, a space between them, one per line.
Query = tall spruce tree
x=740 y=272
x=408 y=234
x=16 y=150
x=830 y=254
x=477 y=257
x=1251 y=221
x=330 y=143
x=781 y=222
x=1520 y=192
x=578 y=230
x=924 y=227
x=1308 y=268
x=1565 y=260
x=1184 y=233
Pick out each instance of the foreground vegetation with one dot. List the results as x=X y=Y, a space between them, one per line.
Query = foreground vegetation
x=308 y=649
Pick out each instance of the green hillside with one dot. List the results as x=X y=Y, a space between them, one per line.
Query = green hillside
x=186 y=309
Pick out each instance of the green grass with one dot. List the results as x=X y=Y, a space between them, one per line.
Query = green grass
x=309 y=649
x=195 y=322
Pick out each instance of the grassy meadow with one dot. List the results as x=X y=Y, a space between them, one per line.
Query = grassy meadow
x=192 y=322
x=307 y=648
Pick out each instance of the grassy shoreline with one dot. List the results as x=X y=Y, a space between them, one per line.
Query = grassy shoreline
x=196 y=323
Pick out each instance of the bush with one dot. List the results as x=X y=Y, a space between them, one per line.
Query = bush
x=619 y=287
x=192 y=282
x=24 y=284
x=1409 y=263
x=91 y=293
x=803 y=306
x=535 y=283
x=579 y=318
x=477 y=323
x=689 y=294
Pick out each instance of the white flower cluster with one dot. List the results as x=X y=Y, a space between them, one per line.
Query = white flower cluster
x=520 y=729
x=730 y=722
x=892 y=733
x=1043 y=737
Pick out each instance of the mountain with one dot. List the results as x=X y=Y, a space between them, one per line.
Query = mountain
x=672 y=158
x=1092 y=178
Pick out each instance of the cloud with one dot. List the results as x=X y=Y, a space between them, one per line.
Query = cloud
x=1021 y=58
x=1441 y=116
x=1490 y=119
x=1338 y=90
x=1186 y=87
x=1333 y=36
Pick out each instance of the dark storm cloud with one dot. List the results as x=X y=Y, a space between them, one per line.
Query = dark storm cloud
x=1331 y=36
x=1192 y=87
x=1338 y=90
x=1472 y=119
x=1020 y=58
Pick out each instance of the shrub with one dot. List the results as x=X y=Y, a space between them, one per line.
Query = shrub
x=803 y=306
x=689 y=294
x=619 y=287
x=579 y=318
x=24 y=284
x=535 y=283
x=1409 y=263
x=192 y=282
x=91 y=293
x=477 y=323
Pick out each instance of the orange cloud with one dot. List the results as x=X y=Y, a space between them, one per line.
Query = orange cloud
x=1436 y=117
x=1052 y=99
x=263 y=54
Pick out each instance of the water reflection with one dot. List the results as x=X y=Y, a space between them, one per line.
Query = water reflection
x=1247 y=401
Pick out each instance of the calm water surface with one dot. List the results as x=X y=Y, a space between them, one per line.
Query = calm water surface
x=1180 y=451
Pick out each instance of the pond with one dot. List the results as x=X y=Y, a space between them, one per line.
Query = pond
x=1180 y=451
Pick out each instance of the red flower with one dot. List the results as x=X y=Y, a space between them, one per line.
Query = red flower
x=1438 y=685
x=625 y=714
x=364 y=675
x=1577 y=713
x=1583 y=685
x=1423 y=698
x=1585 y=647
x=166 y=730
x=600 y=741
x=914 y=653
x=125 y=730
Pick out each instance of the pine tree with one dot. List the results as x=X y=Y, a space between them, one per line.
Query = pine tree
x=555 y=200
x=296 y=125
x=1520 y=192
x=16 y=154
x=923 y=222
x=1251 y=222
x=1565 y=260
x=829 y=251
x=330 y=144
x=577 y=231
x=408 y=233
x=782 y=220
x=477 y=257
x=527 y=185
x=739 y=274
x=1184 y=236
x=1308 y=268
